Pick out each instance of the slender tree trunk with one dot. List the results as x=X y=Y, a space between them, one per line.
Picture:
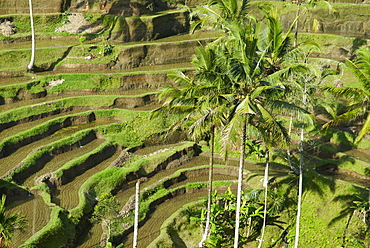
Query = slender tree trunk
x=265 y=185
x=210 y=181
x=289 y=156
x=296 y=24
x=240 y=182
x=32 y=61
x=300 y=191
x=300 y=180
x=136 y=223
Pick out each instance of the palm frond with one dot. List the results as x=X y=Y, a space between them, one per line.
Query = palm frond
x=346 y=117
x=347 y=92
x=364 y=130
x=180 y=78
x=245 y=107
x=362 y=74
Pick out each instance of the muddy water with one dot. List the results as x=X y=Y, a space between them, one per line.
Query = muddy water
x=9 y=162
x=14 y=80
x=59 y=160
x=67 y=195
x=133 y=92
x=36 y=212
x=25 y=126
x=151 y=229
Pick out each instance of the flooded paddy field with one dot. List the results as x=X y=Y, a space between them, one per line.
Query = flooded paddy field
x=36 y=212
x=58 y=161
x=7 y=163
x=27 y=125
x=66 y=196
x=14 y=80
x=150 y=230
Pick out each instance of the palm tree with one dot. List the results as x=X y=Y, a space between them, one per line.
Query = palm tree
x=9 y=223
x=301 y=86
x=217 y=13
x=250 y=58
x=200 y=99
x=253 y=56
x=257 y=69
x=32 y=61
x=136 y=219
x=358 y=108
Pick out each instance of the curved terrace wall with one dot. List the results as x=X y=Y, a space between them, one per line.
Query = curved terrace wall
x=20 y=176
x=93 y=159
x=353 y=19
x=10 y=147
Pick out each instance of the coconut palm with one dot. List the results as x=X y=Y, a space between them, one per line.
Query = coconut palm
x=249 y=58
x=301 y=86
x=358 y=108
x=32 y=61
x=259 y=55
x=251 y=104
x=201 y=101
x=9 y=223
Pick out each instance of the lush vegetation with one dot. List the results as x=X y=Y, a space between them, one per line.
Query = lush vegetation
x=255 y=92
x=253 y=75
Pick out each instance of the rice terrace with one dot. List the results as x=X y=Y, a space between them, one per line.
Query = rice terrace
x=170 y=123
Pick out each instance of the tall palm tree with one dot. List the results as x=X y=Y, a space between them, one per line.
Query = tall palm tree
x=251 y=104
x=358 y=108
x=32 y=61
x=301 y=86
x=201 y=101
x=249 y=55
x=253 y=54
x=9 y=223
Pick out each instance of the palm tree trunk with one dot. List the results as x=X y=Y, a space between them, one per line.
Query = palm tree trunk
x=240 y=181
x=300 y=180
x=289 y=156
x=136 y=223
x=32 y=61
x=300 y=190
x=296 y=24
x=210 y=181
x=265 y=185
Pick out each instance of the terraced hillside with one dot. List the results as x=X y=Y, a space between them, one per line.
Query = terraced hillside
x=79 y=125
